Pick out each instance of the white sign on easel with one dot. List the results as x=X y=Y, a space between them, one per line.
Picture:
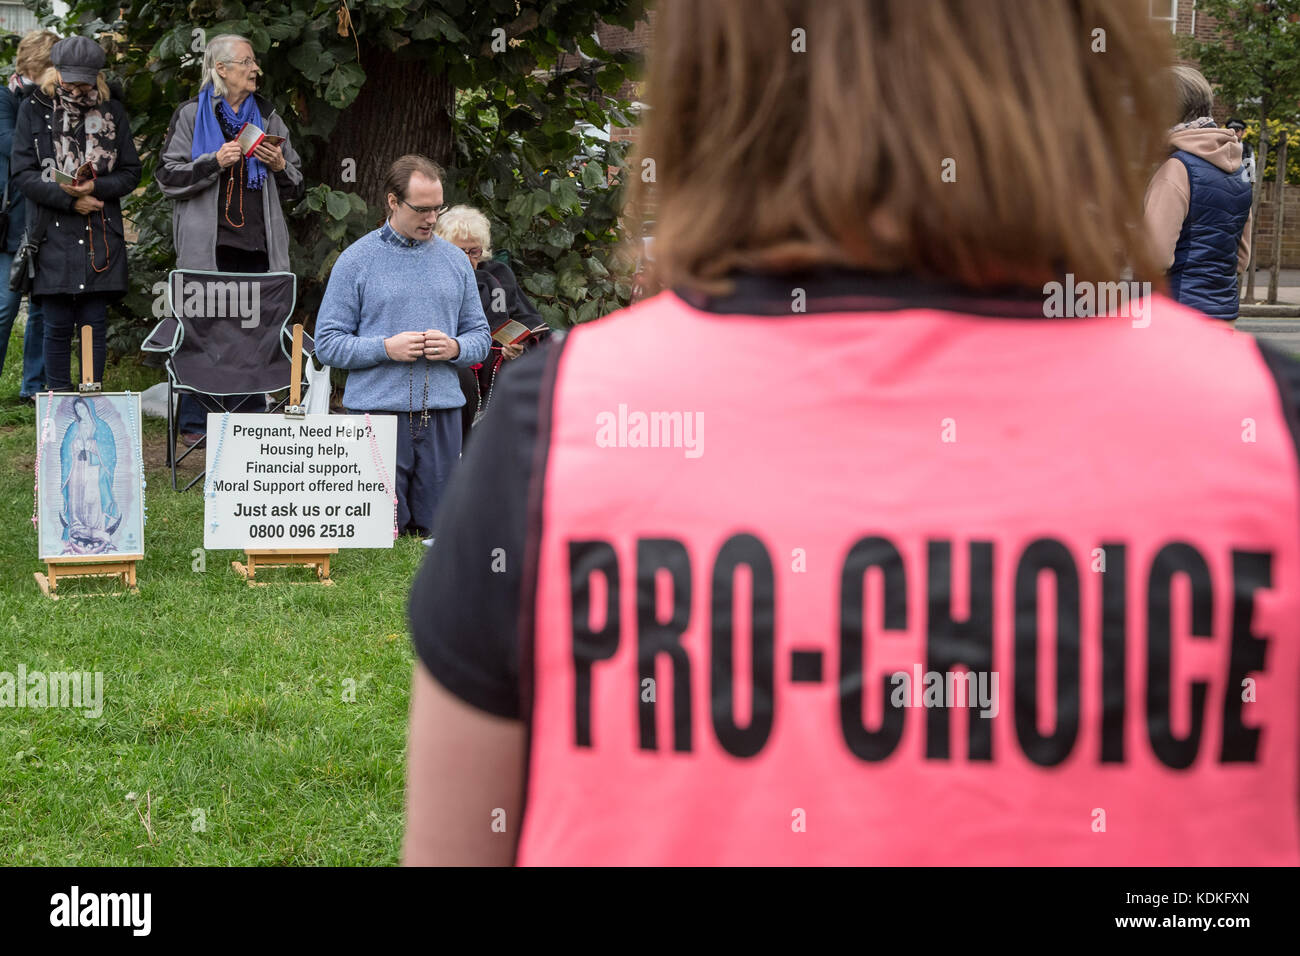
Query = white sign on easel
x=322 y=481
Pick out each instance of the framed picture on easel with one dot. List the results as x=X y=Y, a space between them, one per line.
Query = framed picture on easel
x=90 y=485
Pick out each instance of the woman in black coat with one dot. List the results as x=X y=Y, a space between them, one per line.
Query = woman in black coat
x=71 y=121
x=469 y=230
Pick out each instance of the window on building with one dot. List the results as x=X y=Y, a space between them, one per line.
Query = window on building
x=15 y=18
x=1164 y=11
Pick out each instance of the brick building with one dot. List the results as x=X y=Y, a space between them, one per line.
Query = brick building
x=618 y=39
x=637 y=40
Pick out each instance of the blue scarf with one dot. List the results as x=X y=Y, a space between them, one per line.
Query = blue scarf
x=209 y=137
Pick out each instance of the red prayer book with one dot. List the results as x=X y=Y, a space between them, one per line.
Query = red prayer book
x=249 y=136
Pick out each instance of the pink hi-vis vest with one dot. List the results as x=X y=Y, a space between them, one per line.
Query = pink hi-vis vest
x=915 y=587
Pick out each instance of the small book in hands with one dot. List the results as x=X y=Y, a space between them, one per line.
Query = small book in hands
x=511 y=332
x=85 y=173
x=250 y=137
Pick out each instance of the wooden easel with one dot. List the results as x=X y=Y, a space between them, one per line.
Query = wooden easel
x=283 y=558
x=319 y=558
x=72 y=566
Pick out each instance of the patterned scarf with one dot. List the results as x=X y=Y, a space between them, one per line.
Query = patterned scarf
x=1200 y=122
x=78 y=118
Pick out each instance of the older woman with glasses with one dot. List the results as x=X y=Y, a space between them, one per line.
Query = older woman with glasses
x=503 y=300
x=228 y=214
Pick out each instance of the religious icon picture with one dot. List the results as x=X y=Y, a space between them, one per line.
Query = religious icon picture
x=90 y=488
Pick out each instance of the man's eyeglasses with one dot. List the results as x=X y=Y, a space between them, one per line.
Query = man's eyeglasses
x=425 y=210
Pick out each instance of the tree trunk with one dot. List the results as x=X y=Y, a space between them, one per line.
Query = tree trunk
x=404 y=107
x=1257 y=190
x=1275 y=269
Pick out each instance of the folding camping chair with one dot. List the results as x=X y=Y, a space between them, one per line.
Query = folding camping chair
x=227 y=335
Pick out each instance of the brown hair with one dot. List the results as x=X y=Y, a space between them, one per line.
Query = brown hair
x=398 y=180
x=33 y=57
x=767 y=157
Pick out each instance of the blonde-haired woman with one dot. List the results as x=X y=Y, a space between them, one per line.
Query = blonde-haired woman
x=71 y=123
x=469 y=230
x=31 y=62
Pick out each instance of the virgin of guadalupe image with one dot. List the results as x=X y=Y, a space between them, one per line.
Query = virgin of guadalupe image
x=87 y=459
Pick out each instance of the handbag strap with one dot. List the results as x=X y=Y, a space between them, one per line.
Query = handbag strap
x=35 y=236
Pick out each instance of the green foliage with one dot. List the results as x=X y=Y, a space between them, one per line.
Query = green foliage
x=1292 y=150
x=552 y=207
x=1255 y=63
x=518 y=151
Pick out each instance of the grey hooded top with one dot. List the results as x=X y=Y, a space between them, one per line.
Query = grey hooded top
x=194 y=184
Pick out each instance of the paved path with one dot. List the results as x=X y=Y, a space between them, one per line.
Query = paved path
x=1283 y=334
x=1288 y=286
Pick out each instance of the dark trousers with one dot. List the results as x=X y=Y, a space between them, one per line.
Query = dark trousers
x=424 y=463
x=33 y=379
x=64 y=317
x=468 y=388
x=33 y=349
x=193 y=417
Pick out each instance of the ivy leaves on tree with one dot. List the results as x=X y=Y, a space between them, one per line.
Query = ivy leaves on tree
x=534 y=93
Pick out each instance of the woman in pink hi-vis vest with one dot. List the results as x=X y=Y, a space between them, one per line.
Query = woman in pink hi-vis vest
x=909 y=524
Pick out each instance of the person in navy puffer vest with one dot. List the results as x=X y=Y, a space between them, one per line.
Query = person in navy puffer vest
x=1197 y=207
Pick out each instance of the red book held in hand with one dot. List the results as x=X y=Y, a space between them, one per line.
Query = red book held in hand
x=511 y=332
x=249 y=136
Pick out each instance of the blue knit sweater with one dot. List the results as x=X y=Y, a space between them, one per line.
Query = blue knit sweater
x=383 y=284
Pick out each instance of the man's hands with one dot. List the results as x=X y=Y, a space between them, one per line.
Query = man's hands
x=512 y=351
x=405 y=346
x=440 y=346
x=432 y=344
x=88 y=204
x=229 y=154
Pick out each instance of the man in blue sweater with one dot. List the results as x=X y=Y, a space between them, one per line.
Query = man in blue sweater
x=400 y=310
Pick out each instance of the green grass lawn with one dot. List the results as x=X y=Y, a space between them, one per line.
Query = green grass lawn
x=218 y=697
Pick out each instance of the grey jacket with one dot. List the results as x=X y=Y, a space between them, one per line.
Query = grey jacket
x=194 y=184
